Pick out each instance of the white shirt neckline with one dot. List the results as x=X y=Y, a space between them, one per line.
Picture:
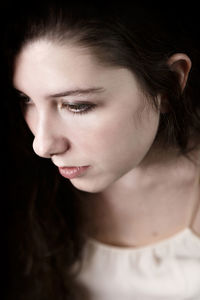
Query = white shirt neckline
x=162 y=242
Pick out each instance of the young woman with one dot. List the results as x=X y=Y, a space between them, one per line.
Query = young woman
x=110 y=96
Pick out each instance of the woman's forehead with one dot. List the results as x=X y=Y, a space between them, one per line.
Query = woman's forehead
x=58 y=68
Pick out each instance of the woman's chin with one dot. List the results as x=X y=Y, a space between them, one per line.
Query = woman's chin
x=91 y=186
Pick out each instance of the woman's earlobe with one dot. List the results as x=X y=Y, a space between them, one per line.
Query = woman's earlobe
x=181 y=64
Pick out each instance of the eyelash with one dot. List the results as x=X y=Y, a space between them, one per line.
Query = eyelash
x=82 y=107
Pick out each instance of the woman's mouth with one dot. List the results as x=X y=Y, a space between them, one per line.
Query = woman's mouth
x=72 y=172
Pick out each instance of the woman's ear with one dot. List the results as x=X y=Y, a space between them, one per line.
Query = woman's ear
x=181 y=64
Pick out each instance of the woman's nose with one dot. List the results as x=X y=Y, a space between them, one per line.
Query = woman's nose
x=48 y=139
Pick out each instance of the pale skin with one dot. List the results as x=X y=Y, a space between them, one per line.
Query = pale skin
x=133 y=193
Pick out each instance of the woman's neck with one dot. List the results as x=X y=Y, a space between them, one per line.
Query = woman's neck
x=148 y=204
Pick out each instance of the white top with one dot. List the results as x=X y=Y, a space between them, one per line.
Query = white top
x=166 y=270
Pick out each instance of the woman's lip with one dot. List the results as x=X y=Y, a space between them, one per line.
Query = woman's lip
x=72 y=172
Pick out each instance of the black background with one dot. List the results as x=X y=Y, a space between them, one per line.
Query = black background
x=176 y=13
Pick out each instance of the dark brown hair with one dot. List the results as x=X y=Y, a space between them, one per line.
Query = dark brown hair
x=48 y=237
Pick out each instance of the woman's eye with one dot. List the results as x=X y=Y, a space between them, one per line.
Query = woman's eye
x=24 y=100
x=24 y=103
x=79 y=108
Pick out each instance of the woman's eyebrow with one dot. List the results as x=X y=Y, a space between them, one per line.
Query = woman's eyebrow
x=78 y=92
x=20 y=93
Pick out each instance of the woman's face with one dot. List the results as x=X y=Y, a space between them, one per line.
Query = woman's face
x=84 y=114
